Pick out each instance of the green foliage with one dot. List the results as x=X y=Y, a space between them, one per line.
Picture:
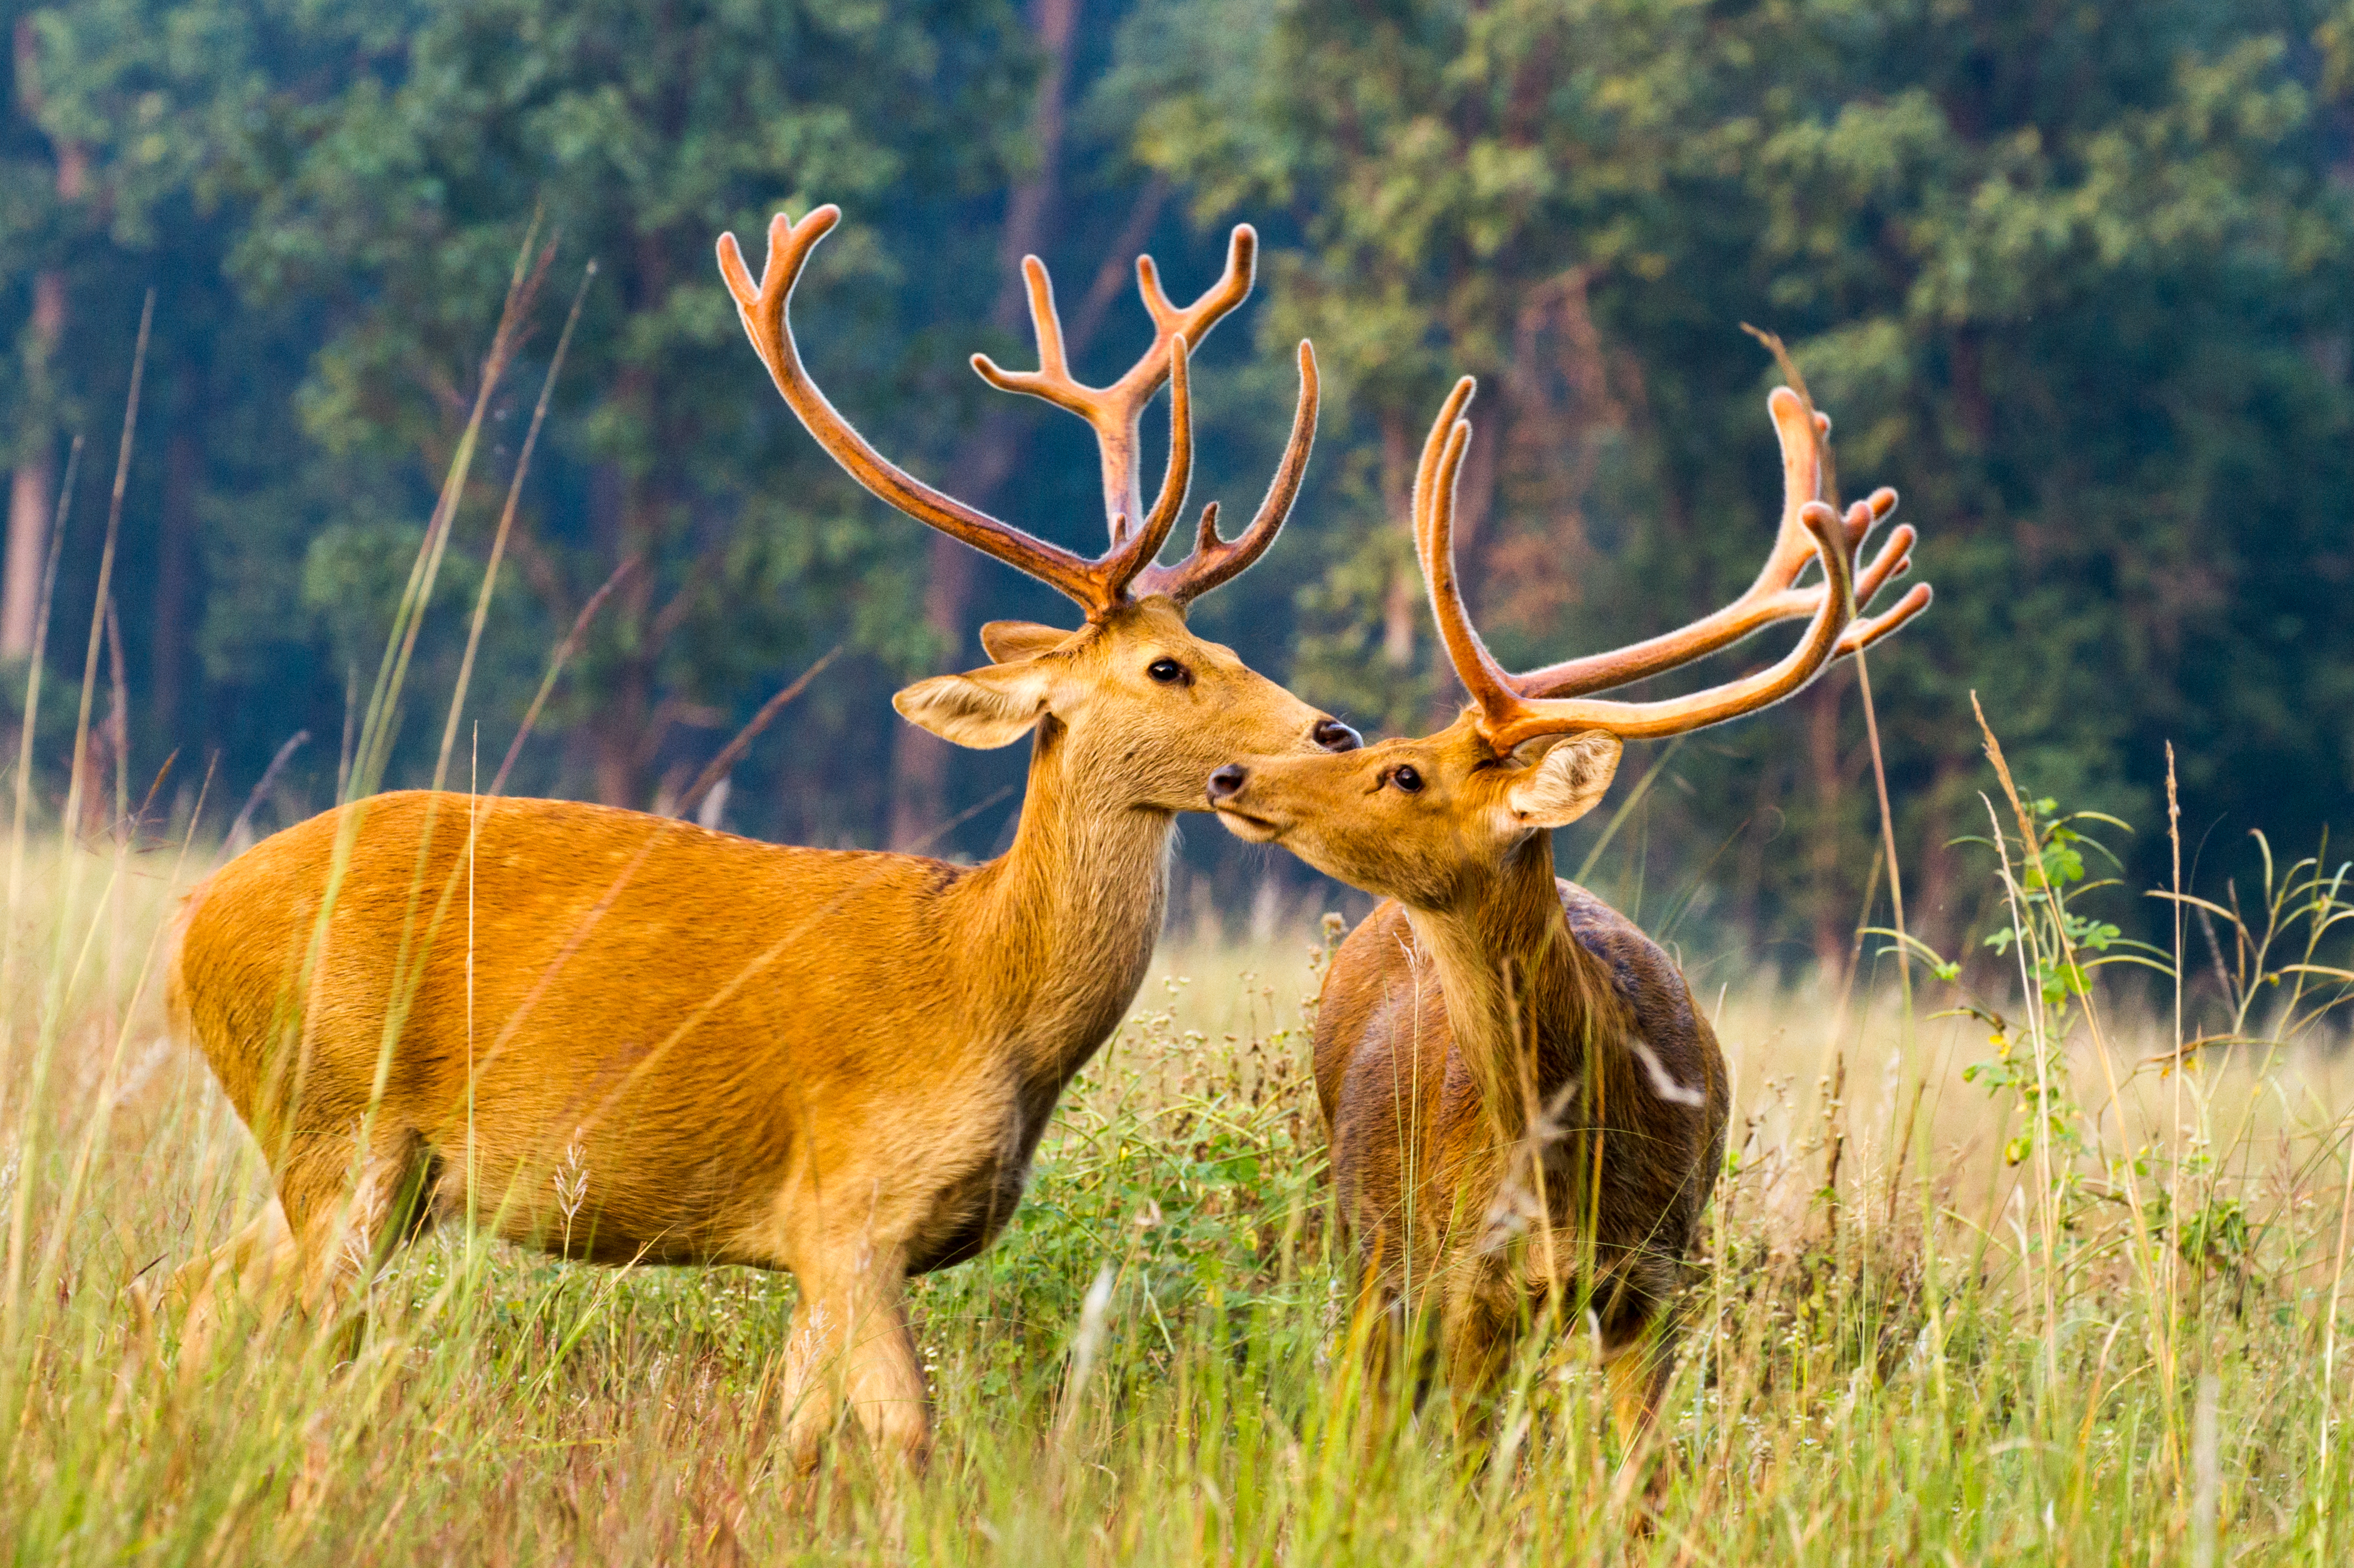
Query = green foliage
x=1932 y=1383
x=2074 y=281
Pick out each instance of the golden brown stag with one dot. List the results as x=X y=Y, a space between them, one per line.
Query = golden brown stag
x=1527 y=1112
x=627 y=1038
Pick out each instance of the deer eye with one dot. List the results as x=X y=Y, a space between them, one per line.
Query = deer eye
x=1165 y=671
x=1406 y=777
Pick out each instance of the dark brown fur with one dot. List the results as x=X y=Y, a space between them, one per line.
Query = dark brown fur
x=1524 y=1103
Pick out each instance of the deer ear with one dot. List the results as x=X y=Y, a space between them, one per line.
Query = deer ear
x=986 y=709
x=1567 y=781
x=1007 y=640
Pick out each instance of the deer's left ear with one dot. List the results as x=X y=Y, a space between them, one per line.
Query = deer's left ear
x=1007 y=640
x=1566 y=782
x=992 y=706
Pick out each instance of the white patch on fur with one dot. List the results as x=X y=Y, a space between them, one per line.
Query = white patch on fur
x=1663 y=1084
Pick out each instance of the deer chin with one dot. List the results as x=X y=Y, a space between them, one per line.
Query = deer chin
x=1250 y=829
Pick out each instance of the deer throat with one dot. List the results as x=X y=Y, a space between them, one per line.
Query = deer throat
x=1064 y=928
x=1507 y=968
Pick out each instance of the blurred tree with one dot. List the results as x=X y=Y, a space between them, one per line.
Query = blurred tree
x=41 y=178
x=2073 y=276
x=641 y=134
x=381 y=165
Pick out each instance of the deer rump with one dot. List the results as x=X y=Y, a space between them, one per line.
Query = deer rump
x=1632 y=1090
x=661 y=1044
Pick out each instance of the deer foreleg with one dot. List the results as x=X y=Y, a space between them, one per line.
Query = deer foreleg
x=853 y=1355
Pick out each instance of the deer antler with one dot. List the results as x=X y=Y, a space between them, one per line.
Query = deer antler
x=1113 y=412
x=1214 y=560
x=1773 y=597
x=1514 y=709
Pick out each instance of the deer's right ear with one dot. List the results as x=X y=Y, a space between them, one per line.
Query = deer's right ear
x=1008 y=641
x=1567 y=781
x=986 y=709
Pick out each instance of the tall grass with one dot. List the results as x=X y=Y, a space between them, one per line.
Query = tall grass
x=2008 y=1263
x=2005 y=1364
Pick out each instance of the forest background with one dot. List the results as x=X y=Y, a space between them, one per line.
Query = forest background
x=2075 y=278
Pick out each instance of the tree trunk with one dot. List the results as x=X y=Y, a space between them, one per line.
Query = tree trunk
x=1406 y=584
x=30 y=496
x=32 y=487
x=183 y=478
x=921 y=761
x=625 y=700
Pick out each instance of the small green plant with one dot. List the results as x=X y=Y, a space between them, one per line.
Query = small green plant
x=2055 y=950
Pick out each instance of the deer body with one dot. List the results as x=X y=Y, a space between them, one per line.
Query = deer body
x=748 y=1052
x=627 y=1038
x=1436 y=1030
x=836 y=1063
x=1526 y=1111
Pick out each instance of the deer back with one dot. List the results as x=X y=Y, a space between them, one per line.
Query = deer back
x=687 y=1016
x=1612 y=1044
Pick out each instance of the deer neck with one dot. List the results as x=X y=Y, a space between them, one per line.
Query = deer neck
x=1511 y=974
x=1060 y=929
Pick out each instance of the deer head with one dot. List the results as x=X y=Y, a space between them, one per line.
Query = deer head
x=1430 y=821
x=1142 y=705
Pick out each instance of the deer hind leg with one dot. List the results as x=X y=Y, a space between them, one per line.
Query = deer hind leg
x=1635 y=1369
x=1479 y=1338
x=1635 y=1373
x=347 y=1212
x=852 y=1355
x=253 y=1268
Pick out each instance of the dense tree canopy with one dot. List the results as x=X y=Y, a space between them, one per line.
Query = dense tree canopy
x=2072 y=278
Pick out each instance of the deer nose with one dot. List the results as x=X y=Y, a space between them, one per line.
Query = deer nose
x=1227 y=781
x=1330 y=733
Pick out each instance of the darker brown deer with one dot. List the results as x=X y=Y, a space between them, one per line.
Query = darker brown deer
x=627 y=1038
x=1527 y=1112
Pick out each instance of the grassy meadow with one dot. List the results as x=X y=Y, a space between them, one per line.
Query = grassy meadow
x=2067 y=1306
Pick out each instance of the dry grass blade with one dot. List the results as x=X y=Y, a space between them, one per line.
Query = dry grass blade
x=719 y=767
x=74 y=785
x=565 y=649
x=506 y=524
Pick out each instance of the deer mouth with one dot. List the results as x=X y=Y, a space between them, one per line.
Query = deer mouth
x=1250 y=829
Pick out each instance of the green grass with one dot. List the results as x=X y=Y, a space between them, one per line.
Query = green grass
x=1965 y=1365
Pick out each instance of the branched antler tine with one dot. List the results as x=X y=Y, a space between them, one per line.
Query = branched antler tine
x=1865 y=633
x=763 y=308
x=1113 y=411
x=1894 y=560
x=1676 y=716
x=1426 y=470
x=1803 y=434
x=1177 y=479
x=1485 y=679
x=1205 y=535
x=1045 y=320
x=1232 y=287
x=1216 y=560
x=1131 y=554
x=1051 y=380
